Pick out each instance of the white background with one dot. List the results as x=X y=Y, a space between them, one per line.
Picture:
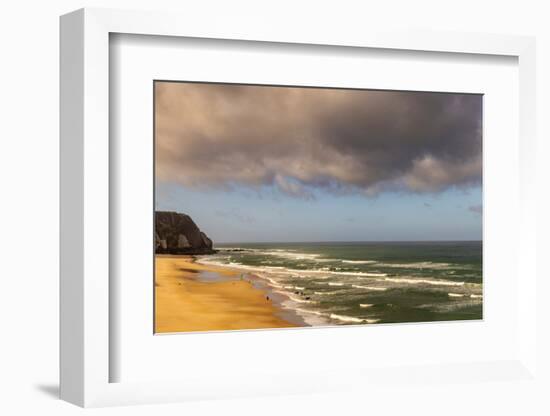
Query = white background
x=29 y=172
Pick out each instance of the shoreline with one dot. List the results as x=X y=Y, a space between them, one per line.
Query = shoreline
x=374 y=304
x=299 y=288
x=191 y=296
x=304 y=317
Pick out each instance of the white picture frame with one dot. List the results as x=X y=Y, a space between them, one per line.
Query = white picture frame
x=85 y=211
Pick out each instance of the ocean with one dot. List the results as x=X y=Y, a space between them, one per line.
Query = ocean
x=365 y=282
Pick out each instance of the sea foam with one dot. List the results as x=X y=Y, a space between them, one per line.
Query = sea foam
x=455 y=295
x=345 y=318
x=419 y=265
x=423 y=281
x=359 y=261
x=376 y=288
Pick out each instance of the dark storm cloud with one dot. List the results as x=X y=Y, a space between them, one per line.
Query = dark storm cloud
x=300 y=139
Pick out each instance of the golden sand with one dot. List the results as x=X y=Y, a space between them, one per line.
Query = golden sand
x=185 y=303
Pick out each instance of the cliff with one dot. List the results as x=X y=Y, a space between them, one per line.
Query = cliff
x=178 y=234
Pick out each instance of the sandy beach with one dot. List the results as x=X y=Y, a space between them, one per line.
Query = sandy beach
x=194 y=297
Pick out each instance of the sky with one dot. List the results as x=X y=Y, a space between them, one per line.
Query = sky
x=290 y=164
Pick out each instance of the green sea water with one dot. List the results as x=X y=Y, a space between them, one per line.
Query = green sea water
x=366 y=282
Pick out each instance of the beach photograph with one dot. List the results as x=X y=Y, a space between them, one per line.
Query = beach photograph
x=293 y=207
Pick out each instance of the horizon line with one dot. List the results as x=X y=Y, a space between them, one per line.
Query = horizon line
x=350 y=241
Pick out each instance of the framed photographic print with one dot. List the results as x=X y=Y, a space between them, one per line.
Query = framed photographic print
x=324 y=206
x=298 y=213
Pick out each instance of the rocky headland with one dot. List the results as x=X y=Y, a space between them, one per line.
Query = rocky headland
x=177 y=233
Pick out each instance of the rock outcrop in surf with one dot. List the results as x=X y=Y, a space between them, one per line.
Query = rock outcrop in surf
x=177 y=233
